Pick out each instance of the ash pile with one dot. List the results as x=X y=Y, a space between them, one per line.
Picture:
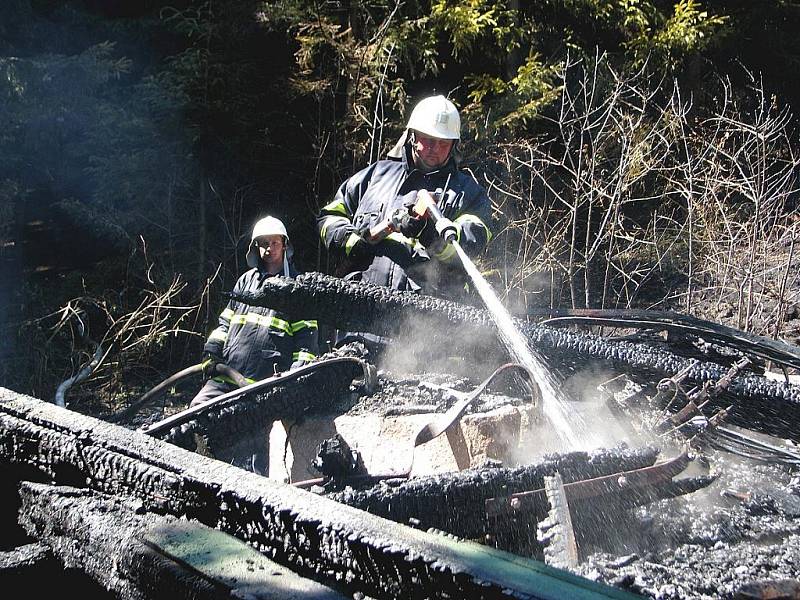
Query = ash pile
x=735 y=538
x=689 y=506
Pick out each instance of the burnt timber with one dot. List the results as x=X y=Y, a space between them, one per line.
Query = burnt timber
x=758 y=403
x=224 y=423
x=139 y=556
x=314 y=536
x=469 y=495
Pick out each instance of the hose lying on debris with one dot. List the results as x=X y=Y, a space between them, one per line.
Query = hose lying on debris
x=248 y=410
x=220 y=369
x=756 y=345
x=747 y=446
x=771 y=406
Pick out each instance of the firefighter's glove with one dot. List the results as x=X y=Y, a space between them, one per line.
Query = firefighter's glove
x=209 y=364
x=411 y=226
x=404 y=253
x=357 y=248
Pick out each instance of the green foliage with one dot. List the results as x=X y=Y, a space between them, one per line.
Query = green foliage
x=470 y=24
x=688 y=30
x=517 y=102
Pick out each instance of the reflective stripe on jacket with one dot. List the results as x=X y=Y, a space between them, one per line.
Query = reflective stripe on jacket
x=374 y=193
x=258 y=341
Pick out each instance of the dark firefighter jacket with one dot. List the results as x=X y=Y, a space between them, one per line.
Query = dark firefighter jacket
x=258 y=341
x=374 y=193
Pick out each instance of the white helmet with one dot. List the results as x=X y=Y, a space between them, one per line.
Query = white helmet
x=268 y=226
x=437 y=117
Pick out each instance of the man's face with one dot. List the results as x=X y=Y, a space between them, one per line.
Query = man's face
x=430 y=153
x=271 y=249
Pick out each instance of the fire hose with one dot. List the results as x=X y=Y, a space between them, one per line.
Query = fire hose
x=259 y=386
x=219 y=369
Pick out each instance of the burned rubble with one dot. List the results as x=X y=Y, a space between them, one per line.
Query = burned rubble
x=314 y=536
x=708 y=508
x=769 y=405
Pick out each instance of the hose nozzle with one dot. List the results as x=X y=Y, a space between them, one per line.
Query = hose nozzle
x=426 y=207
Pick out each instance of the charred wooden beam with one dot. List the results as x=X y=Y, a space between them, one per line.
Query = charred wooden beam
x=313 y=536
x=223 y=424
x=148 y=556
x=759 y=403
x=455 y=502
x=469 y=503
x=25 y=560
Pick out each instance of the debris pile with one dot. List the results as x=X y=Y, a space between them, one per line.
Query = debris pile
x=710 y=508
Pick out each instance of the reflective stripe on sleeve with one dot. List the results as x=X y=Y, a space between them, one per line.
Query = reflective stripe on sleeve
x=332 y=221
x=446 y=254
x=352 y=240
x=227 y=313
x=299 y=325
x=337 y=206
x=401 y=239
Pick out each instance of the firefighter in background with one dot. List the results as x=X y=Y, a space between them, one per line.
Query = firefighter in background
x=410 y=255
x=257 y=341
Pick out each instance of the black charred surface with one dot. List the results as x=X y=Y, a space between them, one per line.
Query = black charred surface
x=365 y=307
x=223 y=425
x=25 y=558
x=87 y=533
x=24 y=561
x=314 y=536
x=13 y=535
x=454 y=502
x=35 y=571
x=124 y=552
x=770 y=406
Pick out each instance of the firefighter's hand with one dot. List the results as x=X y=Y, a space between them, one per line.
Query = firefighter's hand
x=209 y=364
x=411 y=226
x=404 y=254
x=357 y=248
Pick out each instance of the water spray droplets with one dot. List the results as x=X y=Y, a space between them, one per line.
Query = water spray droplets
x=573 y=430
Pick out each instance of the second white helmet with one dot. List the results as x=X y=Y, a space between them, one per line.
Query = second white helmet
x=268 y=226
x=436 y=117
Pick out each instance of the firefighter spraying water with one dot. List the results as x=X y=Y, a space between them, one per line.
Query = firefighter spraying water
x=569 y=431
x=390 y=229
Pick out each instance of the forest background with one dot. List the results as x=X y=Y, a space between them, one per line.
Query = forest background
x=638 y=153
